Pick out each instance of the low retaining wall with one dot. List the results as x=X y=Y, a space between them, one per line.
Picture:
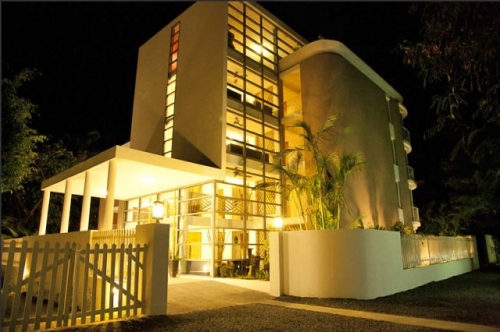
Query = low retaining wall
x=358 y=264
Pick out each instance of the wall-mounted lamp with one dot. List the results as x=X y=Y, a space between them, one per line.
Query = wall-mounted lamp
x=158 y=208
x=278 y=222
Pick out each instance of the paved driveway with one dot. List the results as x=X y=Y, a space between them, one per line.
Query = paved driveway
x=188 y=294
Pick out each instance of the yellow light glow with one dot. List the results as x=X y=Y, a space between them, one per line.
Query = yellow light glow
x=250 y=99
x=233 y=135
x=256 y=48
x=234 y=180
x=278 y=222
x=147 y=179
x=158 y=210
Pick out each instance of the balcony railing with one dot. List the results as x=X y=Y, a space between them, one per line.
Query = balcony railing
x=415 y=215
x=411 y=178
x=406 y=140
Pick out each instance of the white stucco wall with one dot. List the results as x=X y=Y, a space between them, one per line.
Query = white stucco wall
x=359 y=264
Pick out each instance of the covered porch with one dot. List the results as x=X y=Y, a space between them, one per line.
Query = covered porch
x=118 y=174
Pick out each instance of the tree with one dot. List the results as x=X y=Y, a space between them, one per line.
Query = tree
x=21 y=207
x=458 y=61
x=318 y=196
x=19 y=140
x=28 y=158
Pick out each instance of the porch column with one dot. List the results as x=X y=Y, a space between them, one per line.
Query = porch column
x=110 y=196
x=84 y=219
x=44 y=214
x=66 y=207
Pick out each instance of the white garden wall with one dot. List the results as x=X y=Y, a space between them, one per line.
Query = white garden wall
x=358 y=264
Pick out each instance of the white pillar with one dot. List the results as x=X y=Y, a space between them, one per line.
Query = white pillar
x=110 y=196
x=120 y=222
x=155 y=272
x=44 y=214
x=66 y=208
x=276 y=276
x=84 y=219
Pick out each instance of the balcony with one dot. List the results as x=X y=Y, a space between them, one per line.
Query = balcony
x=250 y=63
x=248 y=153
x=415 y=215
x=406 y=140
x=255 y=109
x=411 y=178
x=292 y=111
x=415 y=221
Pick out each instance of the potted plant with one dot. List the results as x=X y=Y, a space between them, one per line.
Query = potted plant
x=173 y=265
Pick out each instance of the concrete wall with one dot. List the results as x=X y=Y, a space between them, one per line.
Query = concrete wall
x=332 y=85
x=358 y=264
x=148 y=115
x=199 y=118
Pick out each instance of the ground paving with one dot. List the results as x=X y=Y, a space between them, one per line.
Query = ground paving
x=191 y=294
x=206 y=304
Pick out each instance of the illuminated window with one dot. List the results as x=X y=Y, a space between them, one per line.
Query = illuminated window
x=174 y=48
x=170 y=93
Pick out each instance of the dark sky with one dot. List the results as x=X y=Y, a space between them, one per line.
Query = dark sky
x=87 y=54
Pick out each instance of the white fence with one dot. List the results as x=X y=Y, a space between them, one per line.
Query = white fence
x=66 y=285
x=423 y=250
x=116 y=236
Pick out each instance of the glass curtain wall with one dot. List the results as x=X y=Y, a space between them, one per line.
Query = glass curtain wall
x=220 y=228
x=253 y=135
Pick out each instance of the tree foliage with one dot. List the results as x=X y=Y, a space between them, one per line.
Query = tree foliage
x=318 y=196
x=19 y=140
x=458 y=62
x=28 y=159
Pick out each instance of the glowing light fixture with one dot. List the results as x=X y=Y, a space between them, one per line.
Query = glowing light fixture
x=158 y=210
x=256 y=48
x=278 y=222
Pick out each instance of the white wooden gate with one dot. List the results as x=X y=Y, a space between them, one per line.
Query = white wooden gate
x=59 y=286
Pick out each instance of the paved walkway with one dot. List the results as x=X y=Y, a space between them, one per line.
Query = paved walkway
x=188 y=294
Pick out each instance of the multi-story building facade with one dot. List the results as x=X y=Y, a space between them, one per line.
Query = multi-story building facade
x=216 y=91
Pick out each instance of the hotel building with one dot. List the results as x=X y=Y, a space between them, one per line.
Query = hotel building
x=216 y=92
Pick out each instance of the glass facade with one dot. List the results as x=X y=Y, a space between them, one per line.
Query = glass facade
x=219 y=228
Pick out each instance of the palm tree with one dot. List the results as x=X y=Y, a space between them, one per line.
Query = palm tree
x=318 y=196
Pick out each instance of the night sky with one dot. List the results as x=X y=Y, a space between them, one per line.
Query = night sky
x=87 y=54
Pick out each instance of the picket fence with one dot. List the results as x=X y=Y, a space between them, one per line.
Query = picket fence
x=423 y=250
x=53 y=285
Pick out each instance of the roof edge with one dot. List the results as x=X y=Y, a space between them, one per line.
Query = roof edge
x=336 y=47
x=80 y=167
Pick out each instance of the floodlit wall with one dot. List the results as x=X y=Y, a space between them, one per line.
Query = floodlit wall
x=334 y=81
x=199 y=123
x=358 y=264
x=331 y=85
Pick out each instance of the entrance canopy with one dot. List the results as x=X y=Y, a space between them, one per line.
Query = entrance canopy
x=138 y=173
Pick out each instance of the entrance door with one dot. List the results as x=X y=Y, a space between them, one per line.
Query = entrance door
x=194 y=245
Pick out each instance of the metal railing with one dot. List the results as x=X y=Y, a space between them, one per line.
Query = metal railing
x=406 y=135
x=411 y=174
x=415 y=214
